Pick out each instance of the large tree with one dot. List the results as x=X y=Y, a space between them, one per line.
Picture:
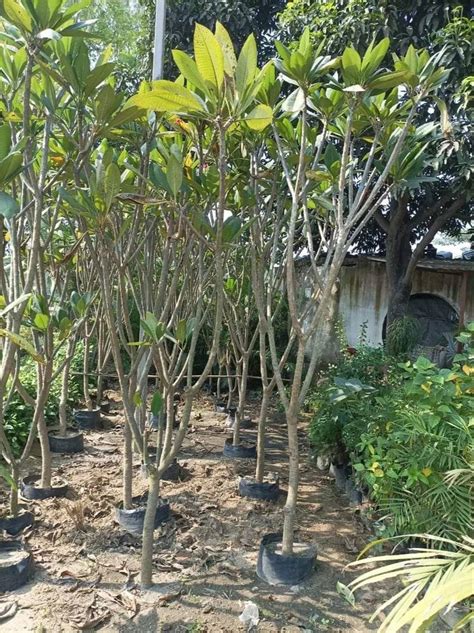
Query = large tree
x=432 y=189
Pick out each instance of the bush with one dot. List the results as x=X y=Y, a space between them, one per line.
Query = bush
x=345 y=399
x=408 y=432
x=19 y=415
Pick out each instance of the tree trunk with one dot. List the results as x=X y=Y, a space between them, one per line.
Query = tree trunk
x=148 y=529
x=85 y=379
x=262 y=421
x=45 y=452
x=65 y=387
x=398 y=255
x=14 y=489
x=127 y=468
x=293 y=479
x=242 y=381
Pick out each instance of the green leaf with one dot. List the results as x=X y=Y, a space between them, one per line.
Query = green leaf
x=246 y=65
x=188 y=68
x=181 y=331
x=209 y=56
x=41 y=321
x=166 y=96
x=17 y=15
x=111 y=184
x=346 y=593
x=137 y=399
x=10 y=166
x=97 y=76
x=8 y=205
x=5 y=140
x=387 y=81
x=374 y=56
x=259 y=118
x=174 y=174
x=156 y=403
x=48 y=34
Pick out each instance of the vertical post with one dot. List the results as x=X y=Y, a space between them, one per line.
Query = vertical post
x=159 y=42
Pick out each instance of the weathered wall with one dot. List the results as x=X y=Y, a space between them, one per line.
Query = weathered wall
x=363 y=295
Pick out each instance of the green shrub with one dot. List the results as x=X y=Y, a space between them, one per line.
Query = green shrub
x=19 y=415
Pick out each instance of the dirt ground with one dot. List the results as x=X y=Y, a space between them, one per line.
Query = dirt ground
x=86 y=568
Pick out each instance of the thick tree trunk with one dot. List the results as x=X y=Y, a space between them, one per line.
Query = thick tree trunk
x=398 y=255
x=262 y=421
x=14 y=489
x=127 y=467
x=46 y=471
x=65 y=387
x=293 y=480
x=242 y=381
x=148 y=530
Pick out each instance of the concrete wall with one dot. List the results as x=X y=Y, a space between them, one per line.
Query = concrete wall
x=363 y=295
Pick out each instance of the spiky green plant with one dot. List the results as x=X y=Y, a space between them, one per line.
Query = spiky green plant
x=434 y=580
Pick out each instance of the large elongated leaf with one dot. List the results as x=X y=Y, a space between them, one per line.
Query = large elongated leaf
x=188 y=68
x=5 y=141
x=111 y=184
x=209 y=56
x=167 y=96
x=246 y=65
x=22 y=343
x=174 y=174
x=230 y=60
x=10 y=167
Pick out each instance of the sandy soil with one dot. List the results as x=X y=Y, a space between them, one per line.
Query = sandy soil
x=86 y=568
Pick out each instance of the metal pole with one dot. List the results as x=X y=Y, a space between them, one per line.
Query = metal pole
x=159 y=43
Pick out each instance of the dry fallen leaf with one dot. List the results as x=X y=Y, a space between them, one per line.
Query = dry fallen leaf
x=93 y=616
x=8 y=610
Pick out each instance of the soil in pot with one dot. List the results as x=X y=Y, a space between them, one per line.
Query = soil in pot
x=86 y=419
x=276 y=569
x=14 y=525
x=15 y=565
x=71 y=442
x=242 y=451
x=132 y=520
x=265 y=491
x=30 y=489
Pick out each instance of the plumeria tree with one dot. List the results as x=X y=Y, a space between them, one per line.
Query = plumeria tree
x=367 y=110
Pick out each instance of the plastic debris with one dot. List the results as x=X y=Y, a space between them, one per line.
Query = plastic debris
x=250 y=614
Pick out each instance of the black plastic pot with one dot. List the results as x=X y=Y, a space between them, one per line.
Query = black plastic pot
x=277 y=569
x=72 y=442
x=86 y=419
x=132 y=520
x=30 y=491
x=15 y=565
x=266 y=491
x=340 y=475
x=220 y=407
x=242 y=451
x=14 y=525
x=105 y=406
x=247 y=423
x=354 y=494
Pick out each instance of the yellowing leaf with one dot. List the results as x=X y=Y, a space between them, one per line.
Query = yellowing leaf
x=426 y=387
x=22 y=343
x=426 y=471
x=468 y=370
x=166 y=96
x=209 y=56
x=259 y=118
